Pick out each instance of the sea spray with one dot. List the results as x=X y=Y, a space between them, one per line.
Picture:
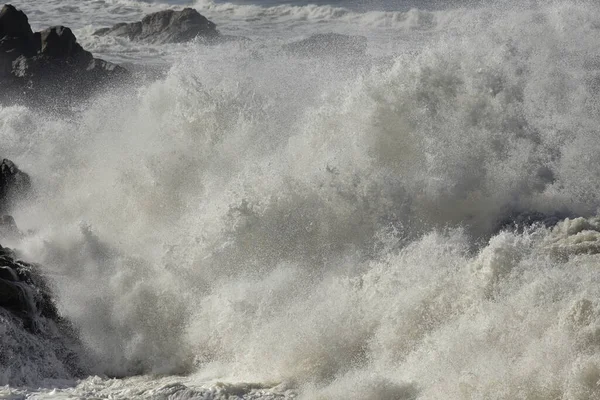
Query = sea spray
x=331 y=225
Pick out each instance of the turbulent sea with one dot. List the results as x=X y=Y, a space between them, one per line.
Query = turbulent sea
x=420 y=222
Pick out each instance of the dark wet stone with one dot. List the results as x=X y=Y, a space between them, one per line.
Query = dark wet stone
x=168 y=26
x=8 y=274
x=14 y=23
x=60 y=42
x=522 y=220
x=11 y=296
x=39 y=67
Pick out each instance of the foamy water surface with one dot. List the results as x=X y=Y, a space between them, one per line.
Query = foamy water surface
x=265 y=225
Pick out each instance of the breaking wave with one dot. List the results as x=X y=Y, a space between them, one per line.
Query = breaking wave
x=346 y=227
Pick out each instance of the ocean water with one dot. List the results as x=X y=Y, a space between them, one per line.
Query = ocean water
x=256 y=224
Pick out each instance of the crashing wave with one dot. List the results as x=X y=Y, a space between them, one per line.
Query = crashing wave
x=345 y=230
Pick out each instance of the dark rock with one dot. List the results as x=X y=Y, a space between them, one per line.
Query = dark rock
x=520 y=221
x=67 y=79
x=132 y=31
x=328 y=44
x=105 y=31
x=38 y=67
x=14 y=23
x=168 y=26
x=8 y=274
x=60 y=42
x=11 y=296
x=24 y=292
x=16 y=39
x=31 y=322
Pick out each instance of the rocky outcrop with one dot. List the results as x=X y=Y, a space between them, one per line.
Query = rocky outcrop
x=47 y=64
x=23 y=291
x=20 y=291
x=35 y=341
x=328 y=44
x=14 y=23
x=168 y=26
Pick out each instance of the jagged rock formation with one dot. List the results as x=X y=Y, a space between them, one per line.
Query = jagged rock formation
x=35 y=341
x=49 y=64
x=168 y=26
x=23 y=291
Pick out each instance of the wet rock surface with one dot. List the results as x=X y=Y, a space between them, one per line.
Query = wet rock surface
x=168 y=26
x=33 y=335
x=44 y=66
x=23 y=291
x=34 y=339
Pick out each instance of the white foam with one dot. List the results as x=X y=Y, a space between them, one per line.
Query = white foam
x=332 y=226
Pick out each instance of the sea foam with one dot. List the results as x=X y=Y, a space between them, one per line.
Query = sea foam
x=329 y=227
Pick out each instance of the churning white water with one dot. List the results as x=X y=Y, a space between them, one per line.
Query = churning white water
x=265 y=225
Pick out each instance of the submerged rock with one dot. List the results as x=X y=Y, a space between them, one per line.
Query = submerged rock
x=38 y=66
x=328 y=44
x=168 y=26
x=521 y=220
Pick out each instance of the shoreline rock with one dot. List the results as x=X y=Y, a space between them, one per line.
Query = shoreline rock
x=22 y=290
x=29 y=318
x=168 y=26
x=36 y=341
x=38 y=66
